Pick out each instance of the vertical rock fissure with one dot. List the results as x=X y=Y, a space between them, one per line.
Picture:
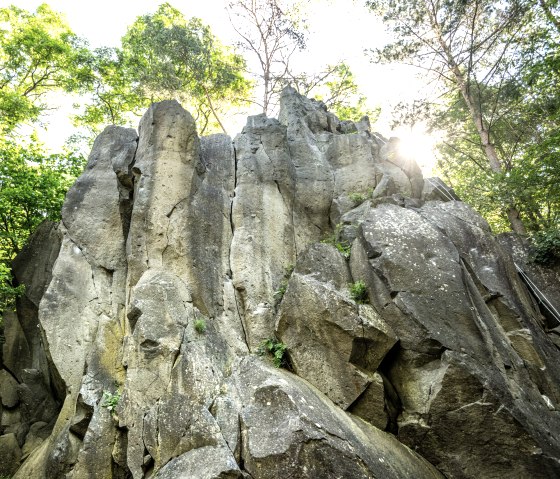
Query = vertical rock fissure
x=126 y=205
x=240 y=312
x=233 y=193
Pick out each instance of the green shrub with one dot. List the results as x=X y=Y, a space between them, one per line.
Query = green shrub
x=274 y=348
x=358 y=292
x=200 y=325
x=8 y=293
x=546 y=247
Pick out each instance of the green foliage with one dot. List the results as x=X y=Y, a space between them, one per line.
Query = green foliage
x=8 y=293
x=524 y=129
x=546 y=247
x=343 y=246
x=358 y=292
x=165 y=56
x=357 y=198
x=279 y=293
x=501 y=69
x=39 y=54
x=116 y=99
x=275 y=349
x=200 y=325
x=344 y=98
x=110 y=400
x=32 y=189
x=336 y=87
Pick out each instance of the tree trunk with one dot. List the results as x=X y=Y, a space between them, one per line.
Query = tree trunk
x=214 y=111
x=476 y=115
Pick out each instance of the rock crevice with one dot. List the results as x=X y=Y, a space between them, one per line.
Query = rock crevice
x=137 y=349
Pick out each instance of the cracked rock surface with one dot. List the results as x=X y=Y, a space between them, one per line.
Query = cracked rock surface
x=137 y=349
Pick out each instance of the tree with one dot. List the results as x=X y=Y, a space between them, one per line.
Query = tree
x=38 y=54
x=32 y=189
x=525 y=132
x=114 y=98
x=550 y=10
x=271 y=33
x=465 y=44
x=165 y=56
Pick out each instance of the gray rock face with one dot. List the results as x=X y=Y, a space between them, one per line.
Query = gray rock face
x=467 y=329
x=135 y=349
x=336 y=345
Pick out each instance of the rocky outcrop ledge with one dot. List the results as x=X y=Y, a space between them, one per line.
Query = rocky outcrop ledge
x=412 y=349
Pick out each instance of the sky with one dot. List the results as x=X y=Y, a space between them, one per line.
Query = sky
x=339 y=30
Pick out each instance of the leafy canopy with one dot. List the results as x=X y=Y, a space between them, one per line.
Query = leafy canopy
x=32 y=189
x=165 y=56
x=38 y=54
x=497 y=67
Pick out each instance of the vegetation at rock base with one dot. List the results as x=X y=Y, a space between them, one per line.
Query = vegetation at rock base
x=276 y=350
x=546 y=247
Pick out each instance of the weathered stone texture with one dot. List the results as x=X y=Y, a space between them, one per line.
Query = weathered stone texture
x=134 y=351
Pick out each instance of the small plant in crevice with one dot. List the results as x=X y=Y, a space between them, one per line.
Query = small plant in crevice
x=110 y=401
x=276 y=349
x=279 y=293
x=357 y=198
x=342 y=246
x=200 y=325
x=358 y=292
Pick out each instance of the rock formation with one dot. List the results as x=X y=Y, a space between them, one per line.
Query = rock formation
x=411 y=348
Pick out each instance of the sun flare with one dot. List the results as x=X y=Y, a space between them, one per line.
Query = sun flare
x=417 y=144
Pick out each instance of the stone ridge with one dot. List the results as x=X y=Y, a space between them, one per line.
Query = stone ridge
x=412 y=349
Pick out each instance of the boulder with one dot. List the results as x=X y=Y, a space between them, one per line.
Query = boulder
x=334 y=343
x=287 y=427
